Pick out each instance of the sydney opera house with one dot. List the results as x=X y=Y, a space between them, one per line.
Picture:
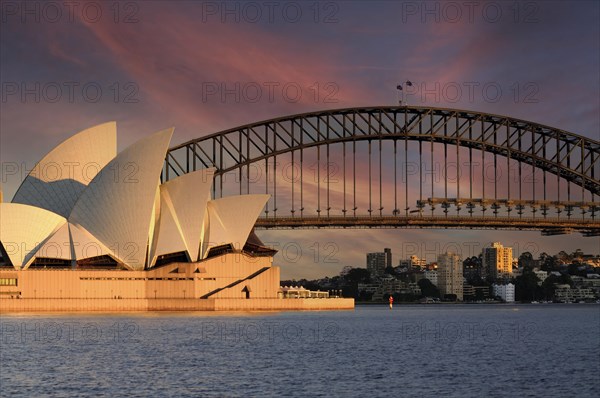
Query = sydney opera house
x=90 y=229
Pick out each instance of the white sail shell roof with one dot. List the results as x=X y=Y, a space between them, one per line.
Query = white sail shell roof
x=85 y=245
x=70 y=242
x=189 y=195
x=123 y=212
x=183 y=213
x=117 y=206
x=168 y=236
x=24 y=229
x=231 y=219
x=58 y=245
x=62 y=175
x=153 y=232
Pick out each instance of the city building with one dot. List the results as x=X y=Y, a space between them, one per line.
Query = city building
x=567 y=294
x=468 y=291
x=388 y=257
x=482 y=291
x=592 y=281
x=472 y=268
x=591 y=259
x=505 y=291
x=432 y=276
x=389 y=286
x=450 y=275
x=497 y=261
x=413 y=262
x=89 y=228
x=301 y=292
x=378 y=262
x=369 y=287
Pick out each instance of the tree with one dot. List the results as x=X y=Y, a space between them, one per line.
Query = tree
x=358 y=275
x=526 y=287
x=526 y=261
x=576 y=268
x=403 y=297
x=353 y=277
x=365 y=296
x=563 y=257
x=547 y=262
x=577 y=254
x=549 y=285
x=428 y=289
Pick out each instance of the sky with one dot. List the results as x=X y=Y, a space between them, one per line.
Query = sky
x=208 y=66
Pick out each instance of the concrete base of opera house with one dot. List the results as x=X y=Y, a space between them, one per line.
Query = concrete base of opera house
x=229 y=282
x=132 y=305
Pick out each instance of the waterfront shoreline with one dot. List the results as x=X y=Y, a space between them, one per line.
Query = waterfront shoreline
x=175 y=305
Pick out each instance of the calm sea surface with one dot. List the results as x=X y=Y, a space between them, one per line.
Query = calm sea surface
x=539 y=350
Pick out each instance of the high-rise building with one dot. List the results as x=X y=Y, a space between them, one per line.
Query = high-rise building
x=388 y=257
x=497 y=261
x=377 y=262
x=450 y=275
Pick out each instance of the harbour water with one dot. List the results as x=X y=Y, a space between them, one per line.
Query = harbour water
x=540 y=350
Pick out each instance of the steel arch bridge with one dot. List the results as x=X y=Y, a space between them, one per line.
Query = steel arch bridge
x=399 y=166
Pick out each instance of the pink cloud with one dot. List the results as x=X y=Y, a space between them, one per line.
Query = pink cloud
x=174 y=65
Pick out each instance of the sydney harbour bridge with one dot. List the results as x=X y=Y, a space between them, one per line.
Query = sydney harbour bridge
x=405 y=167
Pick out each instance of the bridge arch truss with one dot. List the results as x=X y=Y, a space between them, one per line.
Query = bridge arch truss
x=550 y=175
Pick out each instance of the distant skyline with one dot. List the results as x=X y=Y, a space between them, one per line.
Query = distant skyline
x=213 y=66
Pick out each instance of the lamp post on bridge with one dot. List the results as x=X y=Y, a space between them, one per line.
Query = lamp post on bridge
x=400 y=89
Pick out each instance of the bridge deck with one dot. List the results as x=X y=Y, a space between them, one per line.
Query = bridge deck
x=547 y=225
